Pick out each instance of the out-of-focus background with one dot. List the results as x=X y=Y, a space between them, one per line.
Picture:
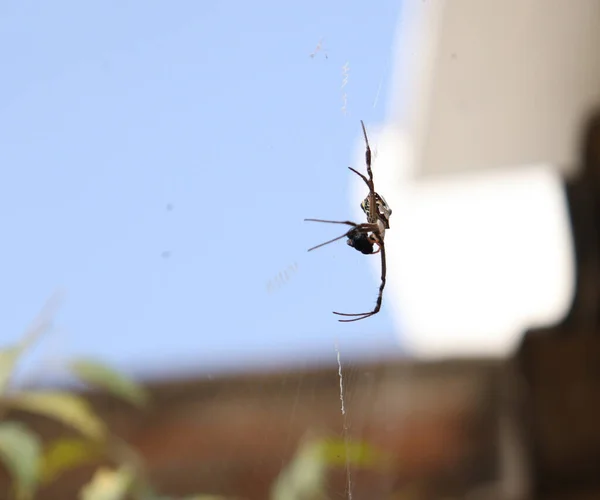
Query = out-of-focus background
x=158 y=160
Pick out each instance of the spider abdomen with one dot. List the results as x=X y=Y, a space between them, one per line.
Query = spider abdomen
x=383 y=209
x=360 y=241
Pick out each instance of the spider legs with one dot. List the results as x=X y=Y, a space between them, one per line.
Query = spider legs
x=359 y=237
x=359 y=316
x=367 y=182
x=367 y=151
x=364 y=237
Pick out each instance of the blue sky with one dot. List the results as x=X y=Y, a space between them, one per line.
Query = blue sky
x=205 y=130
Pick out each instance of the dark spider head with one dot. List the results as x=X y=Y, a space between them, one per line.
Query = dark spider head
x=360 y=241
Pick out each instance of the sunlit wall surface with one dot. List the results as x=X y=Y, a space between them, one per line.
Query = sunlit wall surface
x=485 y=114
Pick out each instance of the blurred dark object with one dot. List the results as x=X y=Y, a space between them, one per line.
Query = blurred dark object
x=234 y=435
x=560 y=366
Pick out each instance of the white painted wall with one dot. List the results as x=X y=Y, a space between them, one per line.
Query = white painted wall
x=485 y=115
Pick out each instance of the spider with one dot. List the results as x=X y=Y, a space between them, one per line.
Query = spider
x=364 y=237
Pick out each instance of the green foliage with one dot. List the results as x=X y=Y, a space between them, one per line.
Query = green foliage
x=193 y=497
x=305 y=476
x=20 y=450
x=30 y=464
x=8 y=361
x=64 y=407
x=108 y=484
x=99 y=375
x=10 y=356
x=66 y=453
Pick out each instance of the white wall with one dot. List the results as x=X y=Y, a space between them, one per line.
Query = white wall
x=488 y=101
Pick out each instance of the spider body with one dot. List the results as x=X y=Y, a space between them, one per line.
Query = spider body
x=363 y=237
x=361 y=241
x=384 y=211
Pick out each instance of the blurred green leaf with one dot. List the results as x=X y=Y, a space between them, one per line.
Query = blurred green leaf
x=305 y=475
x=8 y=360
x=108 y=484
x=68 y=453
x=9 y=356
x=337 y=452
x=203 y=497
x=99 y=375
x=193 y=497
x=64 y=407
x=20 y=451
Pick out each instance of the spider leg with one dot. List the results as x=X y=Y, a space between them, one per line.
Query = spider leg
x=373 y=215
x=375 y=242
x=328 y=242
x=347 y=222
x=360 y=316
x=362 y=177
x=367 y=152
x=369 y=181
x=365 y=228
x=364 y=236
